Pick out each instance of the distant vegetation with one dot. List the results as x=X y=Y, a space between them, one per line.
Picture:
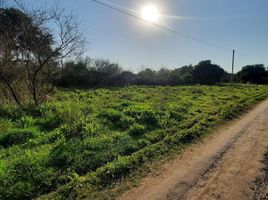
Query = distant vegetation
x=81 y=141
x=89 y=73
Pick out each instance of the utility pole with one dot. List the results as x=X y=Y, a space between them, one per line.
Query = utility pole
x=232 y=76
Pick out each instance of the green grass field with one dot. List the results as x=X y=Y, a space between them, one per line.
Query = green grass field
x=86 y=140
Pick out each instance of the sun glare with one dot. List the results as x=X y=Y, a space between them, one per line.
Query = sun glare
x=150 y=13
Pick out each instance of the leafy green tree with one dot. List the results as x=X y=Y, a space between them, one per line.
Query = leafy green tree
x=163 y=76
x=74 y=75
x=254 y=74
x=207 y=73
x=182 y=75
x=147 y=77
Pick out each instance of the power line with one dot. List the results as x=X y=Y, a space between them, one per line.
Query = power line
x=161 y=26
x=244 y=57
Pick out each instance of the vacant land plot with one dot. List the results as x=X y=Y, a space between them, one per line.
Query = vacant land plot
x=88 y=139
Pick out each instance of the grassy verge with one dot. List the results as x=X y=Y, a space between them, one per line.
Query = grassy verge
x=85 y=144
x=260 y=185
x=92 y=186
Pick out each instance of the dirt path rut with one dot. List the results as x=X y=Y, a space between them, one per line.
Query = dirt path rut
x=222 y=166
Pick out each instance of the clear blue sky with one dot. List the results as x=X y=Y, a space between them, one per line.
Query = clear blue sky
x=235 y=24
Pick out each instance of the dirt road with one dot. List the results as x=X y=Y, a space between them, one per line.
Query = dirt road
x=222 y=166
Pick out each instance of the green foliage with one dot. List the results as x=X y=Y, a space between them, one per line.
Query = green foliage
x=5 y=125
x=116 y=119
x=17 y=136
x=136 y=130
x=88 y=139
x=60 y=155
x=144 y=114
x=87 y=155
x=48 y=123
x=10 y=112
x=26 y=176
x=207 y=73
x=253 y=74
x=25 y=122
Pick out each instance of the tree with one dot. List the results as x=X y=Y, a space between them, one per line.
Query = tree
x=182 y=75
x=254 y=74
x=105 y=72
x=226 y=77
x=163 y=76
x=126 y=78
x=207 y=73
x=74 y=75
x=31 y=51
x=89 y=73
x=146 y=77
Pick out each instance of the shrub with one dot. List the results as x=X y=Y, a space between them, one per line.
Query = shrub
x=10 y=112
x=144 y=114
x=82 y=155
x=64 y=112
x=60 y=155
x=48 y=122
x=227 y=112
x=17 y=136
x=143 y=143
x=26 y=176
x=87 y=155
x=4 y=126
x=156 y=136
x=176 y=115
x=116 y=118
x=77 y=129
x=124 y=144
x=124 y=105
x=136 y=130
x=25 y=122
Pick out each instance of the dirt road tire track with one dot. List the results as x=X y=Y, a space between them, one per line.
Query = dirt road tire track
x=222 y=166
x=260 y=185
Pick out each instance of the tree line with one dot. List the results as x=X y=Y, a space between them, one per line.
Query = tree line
x=87 y=73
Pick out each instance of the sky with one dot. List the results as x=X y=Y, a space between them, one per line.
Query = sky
x=234 y=24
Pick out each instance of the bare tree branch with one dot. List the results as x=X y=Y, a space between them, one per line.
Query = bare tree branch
x=36 y=46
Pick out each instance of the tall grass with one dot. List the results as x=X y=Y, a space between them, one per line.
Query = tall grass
x=92 y=138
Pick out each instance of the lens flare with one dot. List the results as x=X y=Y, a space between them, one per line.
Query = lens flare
x=150 y=13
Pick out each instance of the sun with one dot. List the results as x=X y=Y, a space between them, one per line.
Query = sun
x=150 y=13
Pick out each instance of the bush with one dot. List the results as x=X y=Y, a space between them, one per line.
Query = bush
x=78 y=129
x=25 y=122
x=48 y=123
x=124 y=144
x=10 y=112
x=143 y=114
x=17 y=136
x=26 y=176
x=136 y=130
x=4 y=126
x=64 y=112
x=82 y=155
x=87 y=155
x=60 y=155
x=116 y=119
